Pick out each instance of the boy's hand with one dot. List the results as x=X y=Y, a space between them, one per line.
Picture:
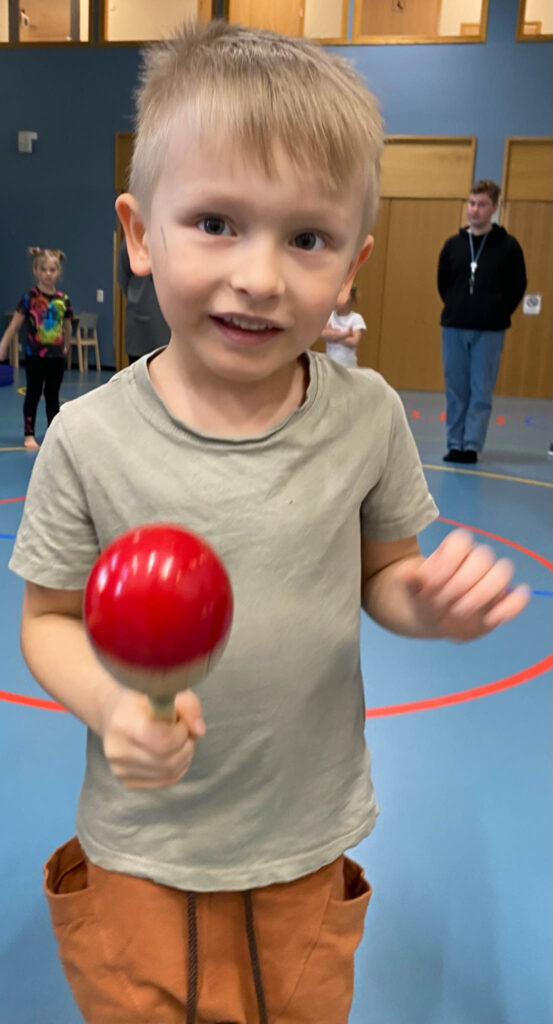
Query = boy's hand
x=143 y=753
x=461 y=591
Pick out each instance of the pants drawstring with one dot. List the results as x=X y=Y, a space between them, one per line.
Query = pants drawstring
x=192 y=993
x=254 y=959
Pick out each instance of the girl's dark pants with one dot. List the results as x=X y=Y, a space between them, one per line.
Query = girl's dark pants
x=42 y=374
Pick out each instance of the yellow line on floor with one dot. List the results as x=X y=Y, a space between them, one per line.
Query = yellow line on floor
x=20 y=449
x=493 y=476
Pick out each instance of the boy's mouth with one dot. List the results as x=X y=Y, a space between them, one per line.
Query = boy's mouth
x=246 y=330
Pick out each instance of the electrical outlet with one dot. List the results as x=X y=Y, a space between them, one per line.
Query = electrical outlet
x=100 y=295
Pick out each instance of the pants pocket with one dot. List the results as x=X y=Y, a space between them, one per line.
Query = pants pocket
x=97 y=988
x=325 y=989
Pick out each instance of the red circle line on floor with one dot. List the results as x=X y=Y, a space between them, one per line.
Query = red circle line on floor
x=445 y=700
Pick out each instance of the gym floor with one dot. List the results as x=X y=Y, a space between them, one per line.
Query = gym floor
x=459 y=930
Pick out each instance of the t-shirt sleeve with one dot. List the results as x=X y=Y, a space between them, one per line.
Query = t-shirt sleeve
x=357 y=322
x=68 y=315
x=56 y=543
x=400 y=504
x=23 y=305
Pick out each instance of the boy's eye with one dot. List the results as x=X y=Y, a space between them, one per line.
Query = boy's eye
x=214 y=226
x=309 y=241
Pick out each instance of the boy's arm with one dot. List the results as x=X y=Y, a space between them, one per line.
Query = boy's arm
x=143 y=754
x=460 y=592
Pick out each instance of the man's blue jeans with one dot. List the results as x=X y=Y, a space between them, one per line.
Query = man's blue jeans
x=471 y=361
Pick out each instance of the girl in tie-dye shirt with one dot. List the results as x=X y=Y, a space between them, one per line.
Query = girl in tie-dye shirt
x=47 y=314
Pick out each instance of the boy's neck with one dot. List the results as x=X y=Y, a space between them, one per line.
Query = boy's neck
x=224 y=409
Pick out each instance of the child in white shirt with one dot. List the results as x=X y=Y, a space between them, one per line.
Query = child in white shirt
x=342 y=333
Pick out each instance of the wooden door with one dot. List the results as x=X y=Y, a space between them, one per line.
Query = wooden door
x=526 y=365
x=284 y=16
x=410 y=337
x=386 y=18
x=425 y=182
x=370 y=289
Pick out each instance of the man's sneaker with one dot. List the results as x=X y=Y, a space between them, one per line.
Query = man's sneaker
x=454 y=455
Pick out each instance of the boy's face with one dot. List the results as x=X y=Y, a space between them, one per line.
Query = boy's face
x=247 y=268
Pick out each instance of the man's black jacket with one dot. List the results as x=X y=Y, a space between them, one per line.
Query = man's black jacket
x=499 y=281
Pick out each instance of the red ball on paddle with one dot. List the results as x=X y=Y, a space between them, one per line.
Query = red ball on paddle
x=158 y=609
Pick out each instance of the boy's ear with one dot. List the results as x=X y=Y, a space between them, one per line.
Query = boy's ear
x=354 y=266
x=136 y=236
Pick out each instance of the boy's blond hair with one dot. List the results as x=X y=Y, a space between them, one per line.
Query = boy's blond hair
x=255 y=88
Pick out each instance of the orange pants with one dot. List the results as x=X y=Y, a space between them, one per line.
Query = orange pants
x=135 y=952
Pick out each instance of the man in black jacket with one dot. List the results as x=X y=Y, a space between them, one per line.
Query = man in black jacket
x=145 y=326
x=481 y=279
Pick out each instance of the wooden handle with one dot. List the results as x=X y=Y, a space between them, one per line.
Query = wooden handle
x=163 y=709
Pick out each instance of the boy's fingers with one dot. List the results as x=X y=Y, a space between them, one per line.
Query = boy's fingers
x=508 y=608
x=478 y=572
x=491 y=587
x=189 y=711
x=448 y=557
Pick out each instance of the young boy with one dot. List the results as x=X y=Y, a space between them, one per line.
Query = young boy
x=208 y=881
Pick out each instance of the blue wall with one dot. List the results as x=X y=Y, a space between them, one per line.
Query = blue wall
x=76 y=99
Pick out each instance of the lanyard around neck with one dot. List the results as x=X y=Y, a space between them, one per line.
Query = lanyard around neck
x=474 y=259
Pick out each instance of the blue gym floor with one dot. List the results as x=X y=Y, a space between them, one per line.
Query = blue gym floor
x=459 y=929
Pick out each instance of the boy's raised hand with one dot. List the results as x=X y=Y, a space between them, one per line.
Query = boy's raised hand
x=461 y=591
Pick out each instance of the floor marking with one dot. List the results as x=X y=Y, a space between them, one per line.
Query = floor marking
x=502 y=540
x=493 y=476
x=31 y=702
x=464 y=695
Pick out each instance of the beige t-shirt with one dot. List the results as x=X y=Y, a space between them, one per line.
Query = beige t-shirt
x=281 y=783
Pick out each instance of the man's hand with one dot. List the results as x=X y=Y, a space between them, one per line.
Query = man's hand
x=143 y=753
x=461 y=592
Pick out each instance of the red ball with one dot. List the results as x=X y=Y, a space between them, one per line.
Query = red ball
x=158 y=597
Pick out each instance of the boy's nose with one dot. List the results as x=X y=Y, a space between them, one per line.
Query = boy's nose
x=258 y=272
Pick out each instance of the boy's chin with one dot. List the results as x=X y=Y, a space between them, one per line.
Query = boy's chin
x=242 y=370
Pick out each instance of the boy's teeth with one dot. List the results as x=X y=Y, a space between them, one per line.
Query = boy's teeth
x=247 y=325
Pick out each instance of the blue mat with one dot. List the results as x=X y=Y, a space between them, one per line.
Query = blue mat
x=6 y=374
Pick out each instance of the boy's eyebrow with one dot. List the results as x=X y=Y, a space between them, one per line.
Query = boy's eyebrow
x=207 y=198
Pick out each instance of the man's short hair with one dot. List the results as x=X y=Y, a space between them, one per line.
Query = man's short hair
x=489 y=187
x=255 y=88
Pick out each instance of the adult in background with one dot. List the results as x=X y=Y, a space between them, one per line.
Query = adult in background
x=145 y=327
x=481 y=279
